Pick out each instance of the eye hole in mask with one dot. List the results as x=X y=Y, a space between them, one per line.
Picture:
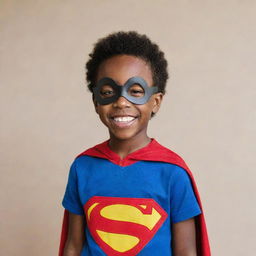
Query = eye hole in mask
x=107 y=91
x=134 y=90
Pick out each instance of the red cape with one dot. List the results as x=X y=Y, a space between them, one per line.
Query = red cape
x=152 y=152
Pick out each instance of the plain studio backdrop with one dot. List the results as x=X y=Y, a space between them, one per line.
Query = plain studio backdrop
x=47 y=117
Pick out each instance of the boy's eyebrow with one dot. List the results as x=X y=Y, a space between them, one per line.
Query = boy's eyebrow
x=116 y=81
x=122 y=84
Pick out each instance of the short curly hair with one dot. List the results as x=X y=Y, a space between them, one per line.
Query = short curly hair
x=128 y=43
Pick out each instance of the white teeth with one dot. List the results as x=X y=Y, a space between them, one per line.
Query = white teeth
x=124 y=119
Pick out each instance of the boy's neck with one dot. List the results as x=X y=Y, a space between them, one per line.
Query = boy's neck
x=125 y=147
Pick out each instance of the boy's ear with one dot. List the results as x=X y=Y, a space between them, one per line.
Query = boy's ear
x=158 y=97
x=95 y=104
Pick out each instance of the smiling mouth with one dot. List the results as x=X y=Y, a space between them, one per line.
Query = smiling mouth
x=123 y=121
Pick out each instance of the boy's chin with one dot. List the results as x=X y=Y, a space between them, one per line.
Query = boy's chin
x=122 y=136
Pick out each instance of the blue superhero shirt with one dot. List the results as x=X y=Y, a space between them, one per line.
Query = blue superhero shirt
x=129 y=210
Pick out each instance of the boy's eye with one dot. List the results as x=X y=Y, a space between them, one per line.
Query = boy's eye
x=106 y=91
x=136 y=91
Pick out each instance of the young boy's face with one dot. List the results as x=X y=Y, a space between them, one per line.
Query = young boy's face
x=126 y=120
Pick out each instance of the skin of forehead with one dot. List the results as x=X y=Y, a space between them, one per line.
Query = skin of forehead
x=122 y=67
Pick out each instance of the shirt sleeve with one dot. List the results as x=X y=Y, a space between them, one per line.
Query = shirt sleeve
x=71 y=200
x=183 y=203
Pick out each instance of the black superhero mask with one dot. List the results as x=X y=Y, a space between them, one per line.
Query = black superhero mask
x=134 y=90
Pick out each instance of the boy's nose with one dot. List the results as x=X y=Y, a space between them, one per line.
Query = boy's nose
x=122 y=102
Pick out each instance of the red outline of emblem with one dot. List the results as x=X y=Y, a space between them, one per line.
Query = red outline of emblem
x=128 y=228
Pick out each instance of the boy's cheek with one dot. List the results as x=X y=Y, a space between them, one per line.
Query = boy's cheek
x=96 y=109
x=96 y=105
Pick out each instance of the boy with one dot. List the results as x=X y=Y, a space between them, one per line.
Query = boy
x=130 y=195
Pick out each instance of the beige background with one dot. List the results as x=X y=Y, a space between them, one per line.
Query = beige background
x=208 y=115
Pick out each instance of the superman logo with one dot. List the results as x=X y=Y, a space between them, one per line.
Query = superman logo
x=123 y=226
